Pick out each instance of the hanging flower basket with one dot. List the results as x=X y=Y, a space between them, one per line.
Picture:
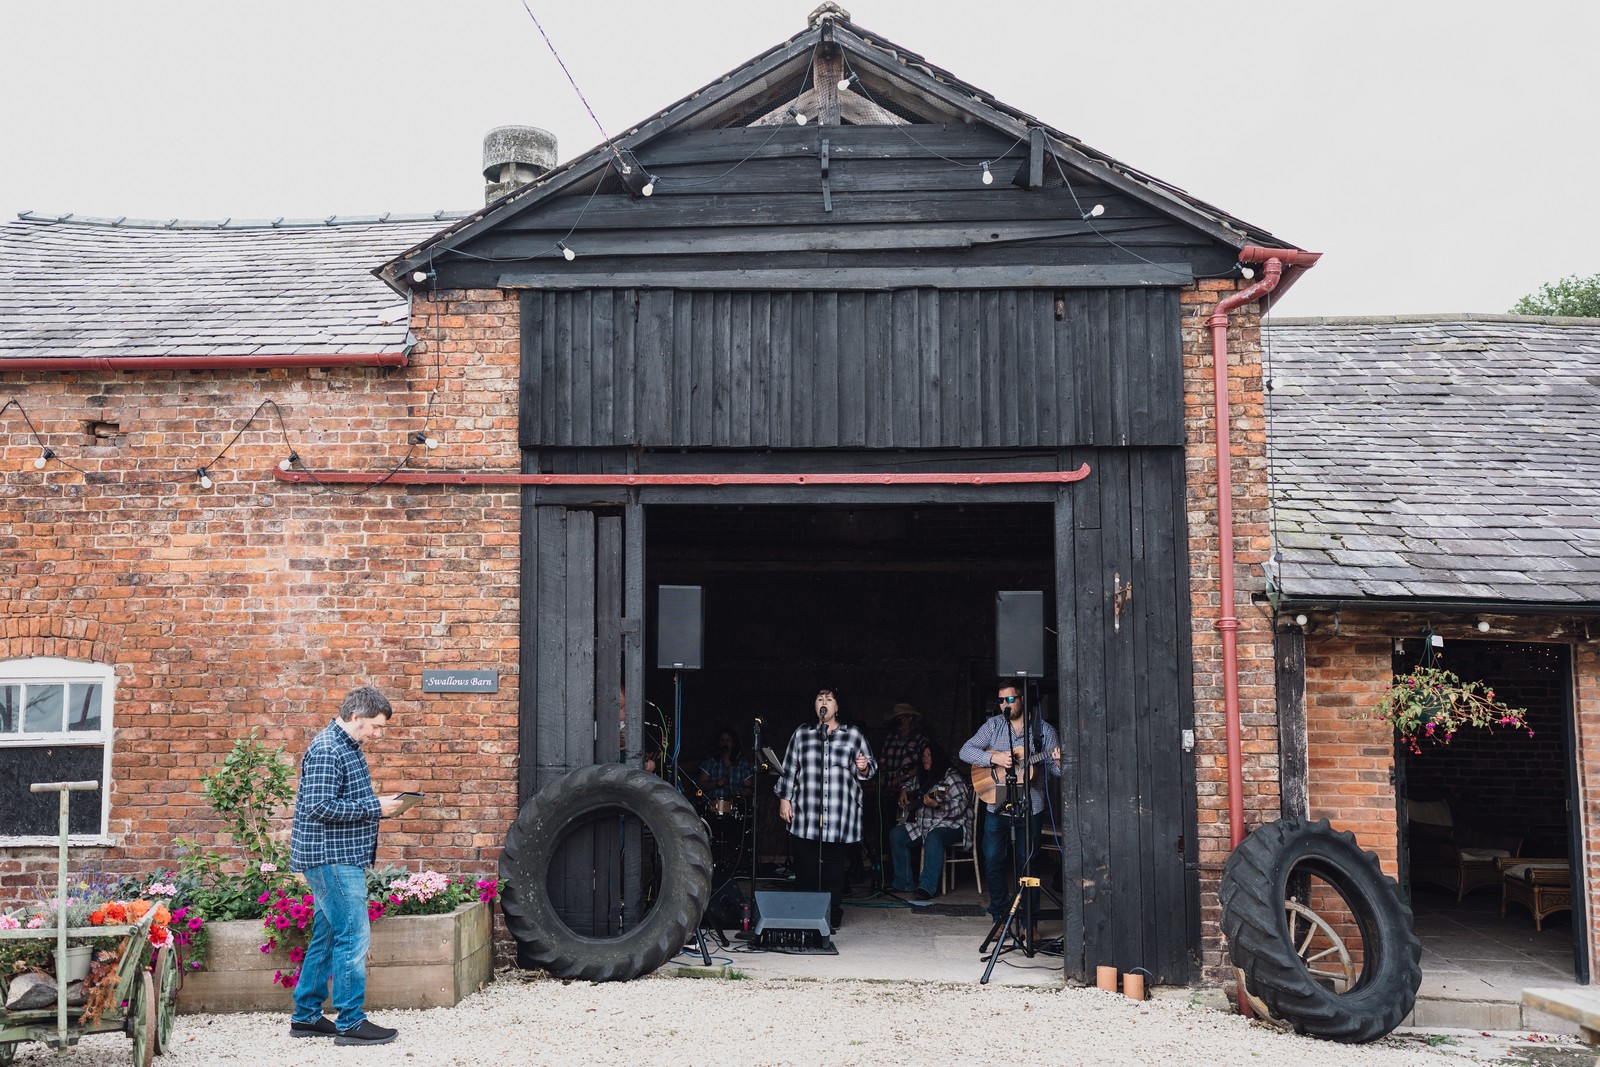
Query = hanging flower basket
x=1433 y=704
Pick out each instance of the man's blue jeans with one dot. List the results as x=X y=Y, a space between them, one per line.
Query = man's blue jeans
x=934 y=842
x=1003 y=836
x=338 y=950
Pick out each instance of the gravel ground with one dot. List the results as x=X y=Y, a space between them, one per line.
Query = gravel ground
x=666 y=1019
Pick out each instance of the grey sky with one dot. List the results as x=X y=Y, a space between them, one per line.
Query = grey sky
x=1442 y=155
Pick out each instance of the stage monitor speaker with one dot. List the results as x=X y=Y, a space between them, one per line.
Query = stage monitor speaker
x=680 y=624
x=1019 y=633
x=776 y=912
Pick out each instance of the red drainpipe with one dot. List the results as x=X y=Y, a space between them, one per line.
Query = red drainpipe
x=1275 y=260
x=264 y=361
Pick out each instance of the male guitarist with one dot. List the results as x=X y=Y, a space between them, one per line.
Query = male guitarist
x=993 y=751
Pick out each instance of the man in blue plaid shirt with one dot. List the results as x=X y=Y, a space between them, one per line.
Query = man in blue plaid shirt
x=819 y=796
x=334 y=841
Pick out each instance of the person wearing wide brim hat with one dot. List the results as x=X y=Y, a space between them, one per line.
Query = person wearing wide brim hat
x=902 y=752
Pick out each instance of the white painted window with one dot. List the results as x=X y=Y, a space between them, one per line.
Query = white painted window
x=55 y=725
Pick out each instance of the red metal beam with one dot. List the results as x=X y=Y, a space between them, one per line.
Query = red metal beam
x=424 y=477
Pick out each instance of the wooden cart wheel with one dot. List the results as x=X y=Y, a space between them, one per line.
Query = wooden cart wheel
x=142 y=1019
x=167 y=981
x=1326 y=957
x=8 y=1052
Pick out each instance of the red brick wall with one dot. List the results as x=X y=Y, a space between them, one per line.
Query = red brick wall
x=1258 y=713
x=1586 y=706
x=260 y=603
x=1350 y=753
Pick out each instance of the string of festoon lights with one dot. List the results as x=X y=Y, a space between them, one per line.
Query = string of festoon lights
x=202 y=476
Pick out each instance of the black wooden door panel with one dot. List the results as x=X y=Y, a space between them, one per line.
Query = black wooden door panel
x=1128 y=831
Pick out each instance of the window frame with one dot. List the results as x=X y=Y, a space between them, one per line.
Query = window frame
x=51 y=670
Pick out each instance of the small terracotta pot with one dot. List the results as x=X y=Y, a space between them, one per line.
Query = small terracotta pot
x=1106 y=978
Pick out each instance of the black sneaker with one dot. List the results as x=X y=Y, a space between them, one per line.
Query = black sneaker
x=923 y=894
x=323 y=1027
x=366 y=1032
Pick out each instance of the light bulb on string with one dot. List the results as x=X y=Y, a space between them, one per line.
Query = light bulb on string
x=649 y=185
x=44 y=457
x=288 y=462
x=844 y=82
x=566 y=253
x=988 y=177
x=420 y=437
x=1094 y=212
x=798 y=115
x=1246 y=272
x=205 y=479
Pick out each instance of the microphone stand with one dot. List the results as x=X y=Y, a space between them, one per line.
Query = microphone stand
x=755 y=823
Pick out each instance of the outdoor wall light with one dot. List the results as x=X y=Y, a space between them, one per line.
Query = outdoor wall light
x=566 y=253
x=205 y=479
x=289 y=462
x=1483 y=626
x=420 y=437
x=1300 y=621
x=45 y=457
x=988 y=178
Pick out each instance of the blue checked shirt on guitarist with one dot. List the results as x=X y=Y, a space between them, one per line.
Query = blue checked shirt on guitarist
x=997 y=735
x=822 y=780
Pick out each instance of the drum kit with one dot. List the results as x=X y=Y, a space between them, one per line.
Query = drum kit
x=728 y=823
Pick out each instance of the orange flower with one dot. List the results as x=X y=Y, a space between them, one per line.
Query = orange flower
x=163 y=916
x=117 y=912
x=97 y=918
x=137 y=908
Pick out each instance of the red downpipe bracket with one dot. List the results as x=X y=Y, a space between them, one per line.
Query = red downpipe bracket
x=422 y=477
x=1274 y=260
x=262 y=361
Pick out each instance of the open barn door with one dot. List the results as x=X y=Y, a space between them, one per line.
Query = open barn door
x=582 y=572
x=1128 y=815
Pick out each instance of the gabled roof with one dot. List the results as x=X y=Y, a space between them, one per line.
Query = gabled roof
x=1436 y=457
x=891 y=84
x=86 y=287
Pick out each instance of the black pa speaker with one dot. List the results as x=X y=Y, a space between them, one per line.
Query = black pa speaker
x=776 y=912
x=680 y=623
x=1019 y=633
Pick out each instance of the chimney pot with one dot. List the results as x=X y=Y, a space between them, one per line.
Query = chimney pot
x=513 y=156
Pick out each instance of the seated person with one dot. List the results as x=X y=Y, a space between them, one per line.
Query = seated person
x=936 y=806
x=724 y=772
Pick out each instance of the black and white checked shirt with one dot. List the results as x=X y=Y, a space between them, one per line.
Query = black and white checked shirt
x=336 y=812
x=820 y=779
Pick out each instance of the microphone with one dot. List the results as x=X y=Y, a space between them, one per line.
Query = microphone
x=758 y=720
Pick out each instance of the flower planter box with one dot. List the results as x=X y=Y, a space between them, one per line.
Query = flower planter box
x=416 y=961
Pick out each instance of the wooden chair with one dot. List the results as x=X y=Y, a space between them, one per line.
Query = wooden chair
x=1449 y=854
x=955 y=856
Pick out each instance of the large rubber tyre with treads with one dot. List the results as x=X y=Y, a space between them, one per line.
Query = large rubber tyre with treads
x=543 y=939
x=1254 y=887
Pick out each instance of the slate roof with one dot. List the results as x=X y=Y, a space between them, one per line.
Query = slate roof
x=89 y=287
x=1437 y=457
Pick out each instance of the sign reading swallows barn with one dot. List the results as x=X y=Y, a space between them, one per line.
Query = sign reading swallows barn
x=460 y=681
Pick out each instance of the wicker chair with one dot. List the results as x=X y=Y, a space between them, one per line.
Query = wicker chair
x=1543 y=886
x=1447 y=852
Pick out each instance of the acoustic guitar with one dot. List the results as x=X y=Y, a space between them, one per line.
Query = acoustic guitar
x=985 y=780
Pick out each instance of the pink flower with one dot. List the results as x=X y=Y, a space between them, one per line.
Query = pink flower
x=263 y=898
x=269 y=868
x=269 y=945
x=296 y=954
x=281 y=922
x=7 y=922
x=195 y=924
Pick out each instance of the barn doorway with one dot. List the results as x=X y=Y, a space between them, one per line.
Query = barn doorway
x=1488 y=825
x=892 y=605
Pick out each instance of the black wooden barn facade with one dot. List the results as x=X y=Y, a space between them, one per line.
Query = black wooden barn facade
x=850 y=295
